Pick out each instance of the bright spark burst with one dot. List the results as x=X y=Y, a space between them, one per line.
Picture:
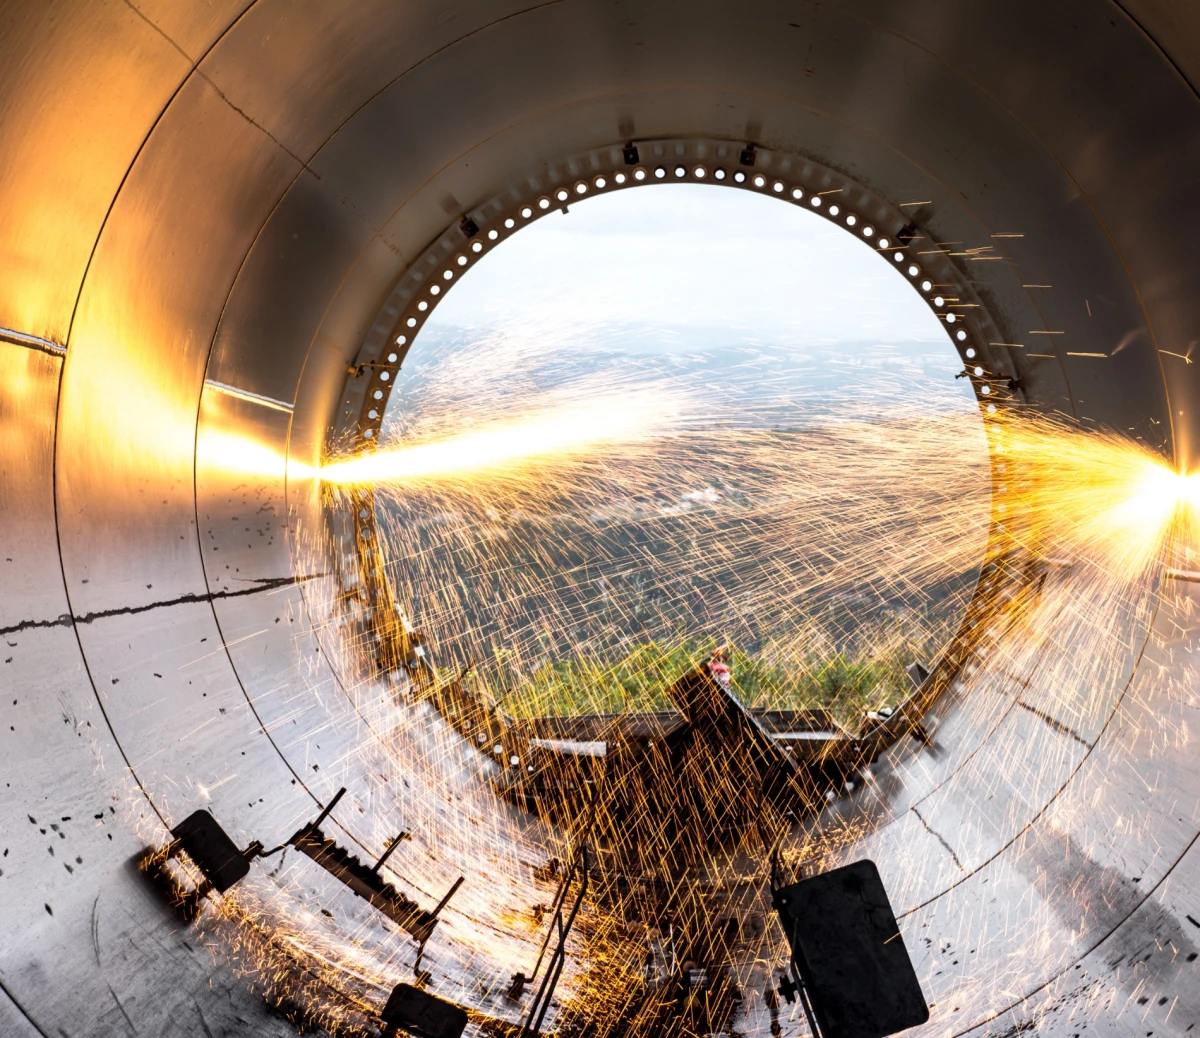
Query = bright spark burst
x=855 y=510
x=580 y=545
x=611 y=526
x=557 y=431
x=1098 y=495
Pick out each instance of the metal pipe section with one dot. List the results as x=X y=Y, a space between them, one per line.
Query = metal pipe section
x=204 y=209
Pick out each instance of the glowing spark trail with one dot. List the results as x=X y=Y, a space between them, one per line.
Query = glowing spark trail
x=572 y=521
x=580 y=552
x=550 y=432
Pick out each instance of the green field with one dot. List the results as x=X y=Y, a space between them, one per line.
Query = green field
x=775 y=677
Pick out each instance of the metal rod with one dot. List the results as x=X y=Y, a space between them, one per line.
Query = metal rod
x=558 y=959
x=388 y=853
x=561 y=951
x=1191 y=576
x=528 y=1029
x=332 y=804
x=554 y=913
x=802 y=991
x=449 y=894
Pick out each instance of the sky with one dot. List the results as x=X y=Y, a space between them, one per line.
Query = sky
x=694 y=255
x=740 y=307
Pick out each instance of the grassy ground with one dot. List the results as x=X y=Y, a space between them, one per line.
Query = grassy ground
x=772 y=677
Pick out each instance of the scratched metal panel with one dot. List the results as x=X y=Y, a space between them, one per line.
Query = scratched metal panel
x=193 y=28
x=73 y=905
x=254 y=564
x=302 y=77
x=241 y=452
x=81 y=83
x=132 y=381
x=1001 y=754
x=282 y=290
x=184 y=724
x=30 y=572
x=1075 y=873
x=1063 y=122
x=14 y=1021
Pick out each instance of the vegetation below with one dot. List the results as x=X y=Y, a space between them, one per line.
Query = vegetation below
x=780 y=675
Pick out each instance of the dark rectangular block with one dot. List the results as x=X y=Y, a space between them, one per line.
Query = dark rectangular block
x=850 y=954
x=422 y=1014
x=216 y=855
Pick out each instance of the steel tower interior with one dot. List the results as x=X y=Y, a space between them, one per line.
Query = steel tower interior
x=207 y=211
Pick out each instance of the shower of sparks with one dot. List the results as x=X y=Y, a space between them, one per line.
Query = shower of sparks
x=1104 y=497
x=579 y=566
x=580 y=581
x=569 y=546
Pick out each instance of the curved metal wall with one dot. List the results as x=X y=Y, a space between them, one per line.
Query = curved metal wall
x=228 y=194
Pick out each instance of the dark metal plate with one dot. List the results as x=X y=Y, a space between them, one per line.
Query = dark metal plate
x=850 y=954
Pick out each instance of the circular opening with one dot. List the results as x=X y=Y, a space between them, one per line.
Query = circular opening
x=619 y=387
